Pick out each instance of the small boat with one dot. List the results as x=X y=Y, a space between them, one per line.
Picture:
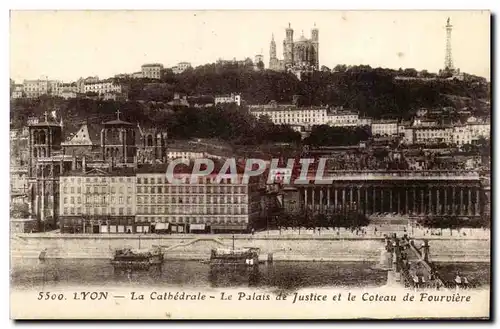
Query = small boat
x=134 y=258
x=242 y=256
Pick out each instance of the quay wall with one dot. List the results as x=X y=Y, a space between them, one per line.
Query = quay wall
x=197 y=247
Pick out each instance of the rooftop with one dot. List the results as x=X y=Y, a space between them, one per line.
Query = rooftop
x=152 y=65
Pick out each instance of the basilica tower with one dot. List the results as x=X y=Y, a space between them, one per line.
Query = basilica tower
x=288 y=47
x=273 y=59
x=315 y=44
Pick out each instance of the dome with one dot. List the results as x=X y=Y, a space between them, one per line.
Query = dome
x=302 y=39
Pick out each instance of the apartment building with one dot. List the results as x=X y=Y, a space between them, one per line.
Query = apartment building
x=152 y=71
x=291 y=114
x=385 y=128
x=97 y=201
x=181 y=67
x=228 y=99
x=102 y=87
x=208 y=205
x=432 y=134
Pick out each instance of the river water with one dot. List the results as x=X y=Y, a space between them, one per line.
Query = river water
x=36 y=274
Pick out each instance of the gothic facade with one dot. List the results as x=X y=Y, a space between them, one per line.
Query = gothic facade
x=298 y=55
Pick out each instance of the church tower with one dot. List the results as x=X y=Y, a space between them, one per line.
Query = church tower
x=315 y=44
x=273 y=60
x=272 y=48
x=118 y=143
x=288 y=47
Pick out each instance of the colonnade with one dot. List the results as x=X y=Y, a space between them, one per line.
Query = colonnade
x=438 y=199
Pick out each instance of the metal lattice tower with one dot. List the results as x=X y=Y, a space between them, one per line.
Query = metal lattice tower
x=448 y=61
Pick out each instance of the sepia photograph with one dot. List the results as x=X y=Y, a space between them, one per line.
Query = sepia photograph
x=230 y=164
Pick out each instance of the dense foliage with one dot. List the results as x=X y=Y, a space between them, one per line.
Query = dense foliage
x=345 y=219
x=454 y=222
x=325 y=135
x=374 y=92
x=228 y=123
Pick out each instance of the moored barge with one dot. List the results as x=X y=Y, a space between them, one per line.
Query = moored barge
x=133 y=258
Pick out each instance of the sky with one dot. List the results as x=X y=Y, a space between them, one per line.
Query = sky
x=67 y=45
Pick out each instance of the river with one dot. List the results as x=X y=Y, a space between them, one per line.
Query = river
x=60 y=273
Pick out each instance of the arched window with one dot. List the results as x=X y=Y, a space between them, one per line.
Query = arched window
x=42 y=137
x=150 y=140
x=35 y=153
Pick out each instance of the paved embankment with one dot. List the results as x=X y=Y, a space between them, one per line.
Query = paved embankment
x=284 y=247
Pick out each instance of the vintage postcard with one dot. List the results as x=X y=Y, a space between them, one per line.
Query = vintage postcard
x=301 y=165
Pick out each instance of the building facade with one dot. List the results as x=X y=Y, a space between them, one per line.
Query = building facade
x=228 y=99
x=433 y=135
x=181 y=67
x=152 y=71
x=103 y=87
x=97 y=201
x=385 y=128
x=205 y=206
x=292 y=115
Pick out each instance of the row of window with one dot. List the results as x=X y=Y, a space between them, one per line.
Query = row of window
x=192 y=200
x=190 y=189
x=97 y=189
x=201 y=180
x=78 y=180
x=191 y=219
x=96 y=211
x=141 y=180
x=200 y=210
x=97 y=199
x=160 y=189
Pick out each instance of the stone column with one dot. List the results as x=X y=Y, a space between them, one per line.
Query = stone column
x=414 y=199
x=469 y=201
x=374 y=196
x=351 y=197
x=312 y=200
x=343 y=198
x=381 y=199
x=399 y=201
x=359 y=199
x=305 y=198
x=328 y=197
x=406 y=201
x=422 y=201
x=446 y=200
x=476 y=210
x=430 y=201
x=390 y=200
x=321 y=199
x=453 y=206
x=461 y=201
x=366 y=200
x=438 y=205
x=335 y=198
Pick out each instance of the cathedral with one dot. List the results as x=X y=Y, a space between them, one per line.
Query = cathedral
x=298 y=55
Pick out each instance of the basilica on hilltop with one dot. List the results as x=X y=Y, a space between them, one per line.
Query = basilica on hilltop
x=300 y=55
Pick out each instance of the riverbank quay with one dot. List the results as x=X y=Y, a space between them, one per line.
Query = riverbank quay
x=284 y=247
